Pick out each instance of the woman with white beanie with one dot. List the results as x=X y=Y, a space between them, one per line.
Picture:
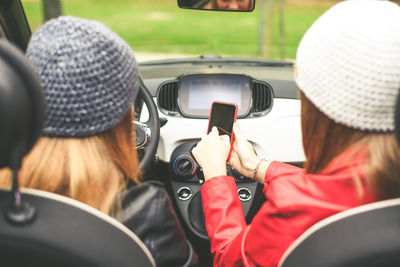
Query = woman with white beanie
x=348 y=73
x=90 y=80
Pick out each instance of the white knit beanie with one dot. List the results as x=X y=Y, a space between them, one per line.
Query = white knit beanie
x=348 y=63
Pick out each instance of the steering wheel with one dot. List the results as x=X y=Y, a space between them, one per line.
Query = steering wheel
x=152 y=125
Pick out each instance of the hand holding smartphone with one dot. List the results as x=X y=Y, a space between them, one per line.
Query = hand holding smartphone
x=223 y=116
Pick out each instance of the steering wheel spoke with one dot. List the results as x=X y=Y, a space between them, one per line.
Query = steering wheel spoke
x=143 y=134
x=148 y=133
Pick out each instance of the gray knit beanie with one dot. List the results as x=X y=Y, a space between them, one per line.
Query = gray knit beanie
x=88 y=73
x=348 y=64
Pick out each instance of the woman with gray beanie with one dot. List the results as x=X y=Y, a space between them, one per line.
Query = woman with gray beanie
x=348 y=72
x=87 y=152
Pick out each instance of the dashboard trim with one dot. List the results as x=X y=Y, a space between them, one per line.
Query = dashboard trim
x=177 y=111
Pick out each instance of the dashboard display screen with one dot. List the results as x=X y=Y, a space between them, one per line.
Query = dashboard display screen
x=203 y=92
x=197 y=91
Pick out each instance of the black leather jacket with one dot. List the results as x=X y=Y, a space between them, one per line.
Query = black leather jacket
x=147 y=210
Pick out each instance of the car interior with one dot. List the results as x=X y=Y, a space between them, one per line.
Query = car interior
x=172 y=112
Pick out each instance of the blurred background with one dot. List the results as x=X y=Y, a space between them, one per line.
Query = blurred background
x=159 y=29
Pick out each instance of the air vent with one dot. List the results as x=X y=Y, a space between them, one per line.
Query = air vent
x=167 y=97
x=262 y=97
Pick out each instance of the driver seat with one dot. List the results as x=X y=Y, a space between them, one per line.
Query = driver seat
x=38 y=228
x=367 y=235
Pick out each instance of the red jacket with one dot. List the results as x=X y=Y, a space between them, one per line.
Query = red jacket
x=295 y=201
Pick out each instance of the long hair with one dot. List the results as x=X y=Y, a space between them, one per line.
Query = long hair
x=324 y=139
x=92 y=170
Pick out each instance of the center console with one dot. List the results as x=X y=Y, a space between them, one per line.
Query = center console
x=186 y=181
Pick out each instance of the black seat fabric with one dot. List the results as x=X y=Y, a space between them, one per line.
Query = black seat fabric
x=367 y=236
x=68 y=233
x=21 y=105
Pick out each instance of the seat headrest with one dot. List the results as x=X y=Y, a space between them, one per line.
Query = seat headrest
x=22 y=110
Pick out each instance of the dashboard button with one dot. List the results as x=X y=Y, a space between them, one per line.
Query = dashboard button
x=184 y=193
x=244 y=194
x=184 y=165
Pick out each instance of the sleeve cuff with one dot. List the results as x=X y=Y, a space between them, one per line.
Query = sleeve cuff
x=271 y=171
x=276 y=168
x=218 y=181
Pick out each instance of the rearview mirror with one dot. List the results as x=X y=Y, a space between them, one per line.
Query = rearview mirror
x=221 y=5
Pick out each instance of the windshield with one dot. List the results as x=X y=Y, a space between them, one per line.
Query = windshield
x=158 y=29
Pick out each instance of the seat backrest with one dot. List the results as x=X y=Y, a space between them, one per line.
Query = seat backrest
x=21 y=106
x=367 y=236
x=38 y=228
x=67 y=233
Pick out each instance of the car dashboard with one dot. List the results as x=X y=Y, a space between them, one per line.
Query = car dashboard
x=271 y=121
x=268 y=114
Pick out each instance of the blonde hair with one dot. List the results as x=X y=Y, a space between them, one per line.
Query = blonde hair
x=324 y=139
x=92 y=170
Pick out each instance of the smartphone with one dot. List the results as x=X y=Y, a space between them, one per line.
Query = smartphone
x=223 y=116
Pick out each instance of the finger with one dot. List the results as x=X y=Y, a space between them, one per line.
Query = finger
x=238 y=133
x=214 y=130
x=235 y=146
x=195 y=151
x=233 y=159
x=226 y=140
x=235 y=142
x=196 y=155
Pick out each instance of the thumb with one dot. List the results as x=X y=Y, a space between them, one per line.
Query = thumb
x=238 y=133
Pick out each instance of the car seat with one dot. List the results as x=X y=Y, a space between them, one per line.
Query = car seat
x=367 y=235
x=39 y=228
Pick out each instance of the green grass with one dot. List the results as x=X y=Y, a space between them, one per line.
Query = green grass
x=160 y=26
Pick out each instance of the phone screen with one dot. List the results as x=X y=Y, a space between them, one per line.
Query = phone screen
x=222 y=115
